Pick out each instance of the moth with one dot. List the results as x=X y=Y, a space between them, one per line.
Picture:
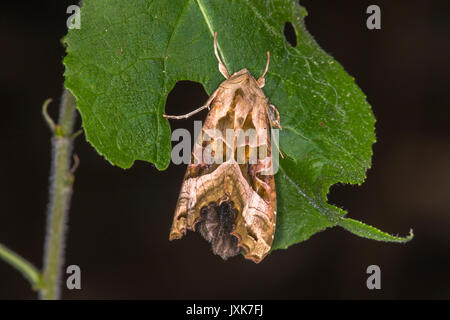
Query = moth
x=232 y=204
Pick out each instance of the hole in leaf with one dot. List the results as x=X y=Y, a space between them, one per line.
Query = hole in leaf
x=186 y=96
x=290 y=34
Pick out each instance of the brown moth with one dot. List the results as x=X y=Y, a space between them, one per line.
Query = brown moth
x=232 y=204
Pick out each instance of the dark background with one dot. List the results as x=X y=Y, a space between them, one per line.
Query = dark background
x=120 y=219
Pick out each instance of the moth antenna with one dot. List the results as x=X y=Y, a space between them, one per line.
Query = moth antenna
x=223 y=70
x=261 y=80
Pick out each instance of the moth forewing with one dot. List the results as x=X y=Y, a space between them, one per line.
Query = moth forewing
x=246 y=146
x=229 y=196
x=212 y=144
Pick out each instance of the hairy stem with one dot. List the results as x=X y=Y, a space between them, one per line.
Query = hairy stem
x=61 y=181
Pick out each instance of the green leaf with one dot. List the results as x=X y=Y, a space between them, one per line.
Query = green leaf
x=363 y=230
x=128 y=55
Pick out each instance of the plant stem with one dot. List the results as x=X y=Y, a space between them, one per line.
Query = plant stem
x=61 y=181
x=28 y=270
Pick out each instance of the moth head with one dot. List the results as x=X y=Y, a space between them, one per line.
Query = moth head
x=241 y=76
x=240 y=72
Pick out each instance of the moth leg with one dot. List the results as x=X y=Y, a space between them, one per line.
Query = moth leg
x=274 y=117
x=274 y=121
x=261 y=80
x=223 y=70
x=187 y=115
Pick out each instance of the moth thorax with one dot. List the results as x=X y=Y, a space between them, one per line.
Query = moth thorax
x=216 y=224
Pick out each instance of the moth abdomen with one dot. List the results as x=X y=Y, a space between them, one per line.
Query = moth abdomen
x=215 y=226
